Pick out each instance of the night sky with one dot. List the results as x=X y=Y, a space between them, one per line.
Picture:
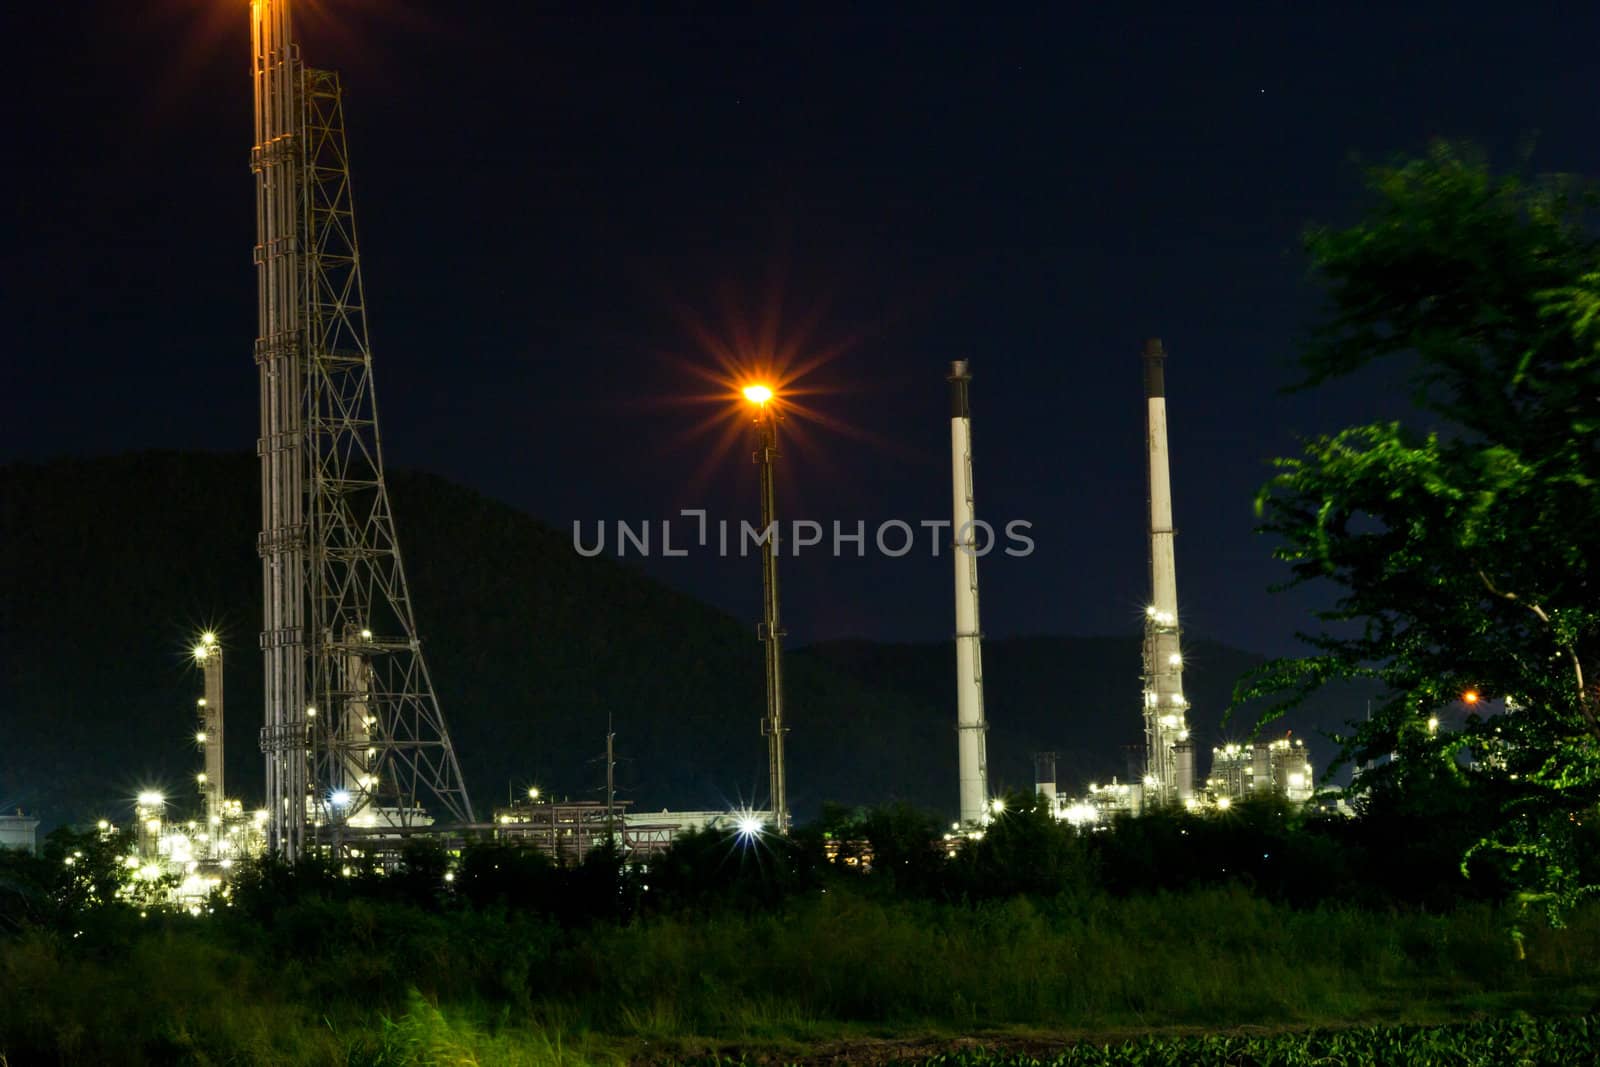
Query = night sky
x=562 y=217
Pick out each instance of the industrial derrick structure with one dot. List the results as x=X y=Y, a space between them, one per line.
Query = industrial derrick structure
x=354 y=741
x=1169 y=752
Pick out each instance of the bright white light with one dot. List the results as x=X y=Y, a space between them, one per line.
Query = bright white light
x=1176 y=659
x=1150 y=611
x=1078 y=814
x=1433 y=724
x=749 y=826
x=340 y=798
x=1223 y=803
x=533 y=792
x=151 y=800
x=1169 y=721
x=208 y=638
x=998 y=805
x=200 y=737
x=1297 y=780
x=366 y=635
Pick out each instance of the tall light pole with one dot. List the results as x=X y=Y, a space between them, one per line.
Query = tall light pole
x=770 y=630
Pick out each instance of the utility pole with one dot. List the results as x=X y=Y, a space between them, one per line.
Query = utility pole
x=611 y=783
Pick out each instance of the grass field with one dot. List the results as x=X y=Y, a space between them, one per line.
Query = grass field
x=362 y=981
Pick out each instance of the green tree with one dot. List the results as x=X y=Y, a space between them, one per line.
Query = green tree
x=1465 y=552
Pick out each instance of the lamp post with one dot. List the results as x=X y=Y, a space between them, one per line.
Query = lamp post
x=770 y=630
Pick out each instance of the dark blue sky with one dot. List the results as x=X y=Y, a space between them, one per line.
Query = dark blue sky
x=545 y=201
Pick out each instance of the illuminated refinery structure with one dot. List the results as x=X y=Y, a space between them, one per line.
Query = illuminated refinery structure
x=354 y=742
x=971 y=726
x=181 y=862
x=1169 y=753
x=209 y=734
x=770 y=629
x=1167 y=776
x=1281 y=766
x=568 y=830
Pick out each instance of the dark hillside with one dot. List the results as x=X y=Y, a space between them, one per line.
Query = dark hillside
x=108 y=567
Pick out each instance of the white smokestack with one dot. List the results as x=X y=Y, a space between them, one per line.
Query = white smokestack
x=970 y=723
x=1044 y=779
x=1169 y=771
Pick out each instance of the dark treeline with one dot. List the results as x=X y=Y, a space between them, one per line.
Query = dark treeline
x=1258 y=915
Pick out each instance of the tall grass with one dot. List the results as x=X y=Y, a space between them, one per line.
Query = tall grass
x=1215 y=958
x=364 y=982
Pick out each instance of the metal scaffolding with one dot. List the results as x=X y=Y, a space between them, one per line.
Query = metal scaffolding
x=354 y=741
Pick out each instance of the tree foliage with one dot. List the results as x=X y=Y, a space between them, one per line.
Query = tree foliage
x=1464 y=550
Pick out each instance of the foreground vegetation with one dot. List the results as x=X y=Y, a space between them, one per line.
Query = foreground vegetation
x=1523 y=1041
x=1456 y=548
x=1452 y=922
x=728 y=944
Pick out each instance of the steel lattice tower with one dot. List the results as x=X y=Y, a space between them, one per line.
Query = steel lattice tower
x=354 y=741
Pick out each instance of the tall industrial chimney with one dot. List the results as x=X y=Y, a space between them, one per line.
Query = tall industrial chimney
x=1169 y=756
x=970 y=723
x=208 y=656
x=1044 y=779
